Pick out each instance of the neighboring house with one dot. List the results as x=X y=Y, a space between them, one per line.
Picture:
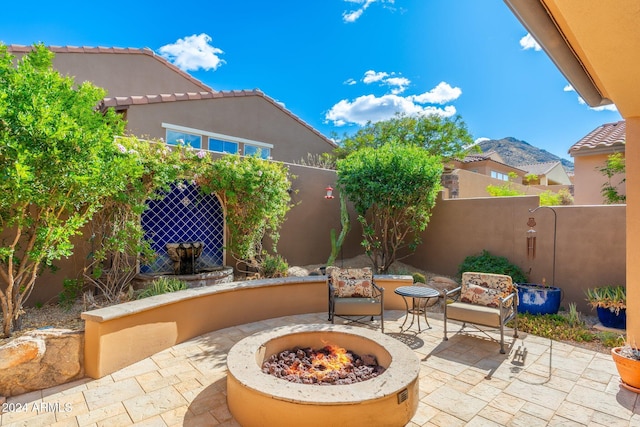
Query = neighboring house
x=546 y=174
x=159 y=100
x=590 y=155
x=470 y=176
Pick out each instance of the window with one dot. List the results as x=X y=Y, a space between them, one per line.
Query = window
x=216 y=141
x=177 y=138
x=223 y=146
x=252 y=150
x=499 y=175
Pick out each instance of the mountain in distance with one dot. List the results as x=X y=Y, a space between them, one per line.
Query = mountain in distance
x=515 y=152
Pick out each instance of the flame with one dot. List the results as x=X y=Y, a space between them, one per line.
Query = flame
x=330 y=359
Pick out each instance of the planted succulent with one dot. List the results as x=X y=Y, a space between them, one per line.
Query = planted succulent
x=611 y=297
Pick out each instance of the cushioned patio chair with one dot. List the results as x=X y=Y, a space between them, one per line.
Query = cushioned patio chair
x=484 y=299
x=353 y=293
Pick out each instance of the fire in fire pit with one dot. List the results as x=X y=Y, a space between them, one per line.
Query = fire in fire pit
x=329 y=365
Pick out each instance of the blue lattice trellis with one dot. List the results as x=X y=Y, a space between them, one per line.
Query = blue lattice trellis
x=183 y=215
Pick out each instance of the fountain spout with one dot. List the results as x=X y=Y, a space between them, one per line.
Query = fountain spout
x=184 y=256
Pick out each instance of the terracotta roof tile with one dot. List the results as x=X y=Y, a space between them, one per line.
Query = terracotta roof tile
x=605 y=136
x=124 y=101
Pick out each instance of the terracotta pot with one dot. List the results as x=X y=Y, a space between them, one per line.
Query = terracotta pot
x=628 y=369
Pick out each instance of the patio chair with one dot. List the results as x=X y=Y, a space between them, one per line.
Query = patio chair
x=484 y=299
x=353 y=293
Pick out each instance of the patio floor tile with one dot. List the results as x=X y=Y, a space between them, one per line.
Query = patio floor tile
x=463 y=381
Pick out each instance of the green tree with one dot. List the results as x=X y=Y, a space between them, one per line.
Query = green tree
x=439 y=136
x=255 y=194
x=615 y=166
x=116 y=233
x=393 y=188
x=58 y=163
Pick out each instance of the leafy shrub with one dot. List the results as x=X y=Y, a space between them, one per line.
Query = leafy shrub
x=71 y=291
x=419 y=278
x=488 y=263
x=562 y=197
x=275 y=266
x=163 y=285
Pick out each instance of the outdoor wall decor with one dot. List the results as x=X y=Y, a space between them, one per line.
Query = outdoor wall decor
x=184 y=215
x=531 y=238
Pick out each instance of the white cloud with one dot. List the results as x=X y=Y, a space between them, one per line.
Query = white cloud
x=568 y=88
x=528 y=42
x=354 y=15
x=372 y=76
x=481 y=139
x=350 y=82
x=397 y=84
x=192 y=53
x=372 y=108
x=440 y=94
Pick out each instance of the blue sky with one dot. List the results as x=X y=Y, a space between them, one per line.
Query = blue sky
x=338 y=63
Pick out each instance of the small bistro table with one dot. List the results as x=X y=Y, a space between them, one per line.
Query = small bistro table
x=418 y=307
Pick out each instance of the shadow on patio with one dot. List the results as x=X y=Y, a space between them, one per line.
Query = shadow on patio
x=463 y=381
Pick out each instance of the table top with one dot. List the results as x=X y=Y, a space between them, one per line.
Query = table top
x=417 y=292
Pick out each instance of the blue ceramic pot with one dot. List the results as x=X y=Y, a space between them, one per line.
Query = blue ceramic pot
x=609 y=318
x=538 y=299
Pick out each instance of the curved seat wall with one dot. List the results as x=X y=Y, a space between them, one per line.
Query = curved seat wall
x=119 y=335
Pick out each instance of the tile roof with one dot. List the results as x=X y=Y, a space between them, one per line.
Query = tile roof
x=14 y=48
x=539 y=168
x=605 y=136
x=126 y=101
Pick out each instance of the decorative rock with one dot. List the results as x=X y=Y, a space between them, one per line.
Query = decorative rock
x=20 y=351
x=41 y=359
x=442 y=283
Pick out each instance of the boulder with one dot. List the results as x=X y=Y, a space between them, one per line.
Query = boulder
x=41 y=359
x=442 y=283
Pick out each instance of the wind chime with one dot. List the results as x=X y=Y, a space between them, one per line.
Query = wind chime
x=531 y=239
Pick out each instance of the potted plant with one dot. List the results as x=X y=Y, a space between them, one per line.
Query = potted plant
x=627 y=360
x=610 y=303
x=532 y=298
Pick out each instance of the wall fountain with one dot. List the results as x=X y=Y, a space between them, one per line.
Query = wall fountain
x=185 y=267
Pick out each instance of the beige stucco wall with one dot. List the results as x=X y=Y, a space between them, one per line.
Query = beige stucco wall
x=590 y=241
x=588 y=179
x=633 y=229
x=118 y=336
x=251 y=117
x=472 y=184
x=146 y=73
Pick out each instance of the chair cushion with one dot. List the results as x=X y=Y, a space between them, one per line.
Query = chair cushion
x=352 y=282
x=357 y=307
x=485 y=289
x=478 y=314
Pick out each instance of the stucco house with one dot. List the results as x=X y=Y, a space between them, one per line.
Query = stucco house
x=590 y=155
x=159 y=100
x=469 y=177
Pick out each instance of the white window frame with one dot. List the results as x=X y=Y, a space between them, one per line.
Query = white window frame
x=218 y=136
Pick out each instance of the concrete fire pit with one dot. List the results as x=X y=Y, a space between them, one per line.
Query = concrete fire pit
x=259 y=399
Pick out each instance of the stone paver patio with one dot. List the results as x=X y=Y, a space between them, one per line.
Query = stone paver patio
x=463 y=381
